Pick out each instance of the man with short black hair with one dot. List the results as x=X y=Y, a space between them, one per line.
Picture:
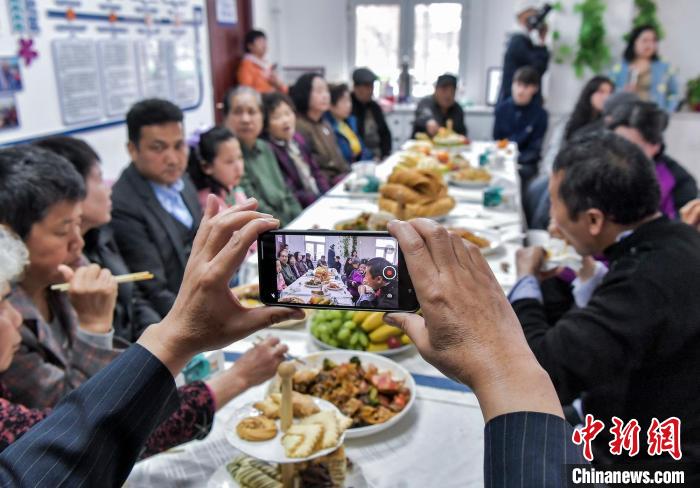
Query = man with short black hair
x=631 y=352
x=156 y=211
x=644 y=123
x=434 y=111
x=521 y=119
x=380 y=276
x=371 y=124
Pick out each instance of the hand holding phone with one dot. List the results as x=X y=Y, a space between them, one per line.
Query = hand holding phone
x=334 y=270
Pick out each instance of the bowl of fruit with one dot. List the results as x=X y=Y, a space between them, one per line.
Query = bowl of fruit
x=356 y=330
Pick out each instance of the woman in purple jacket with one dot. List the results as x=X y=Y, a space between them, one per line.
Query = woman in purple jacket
x=299 y=169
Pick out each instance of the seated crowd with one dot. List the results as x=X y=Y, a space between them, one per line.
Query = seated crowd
x=619 y=339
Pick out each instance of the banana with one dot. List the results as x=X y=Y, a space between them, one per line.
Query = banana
x=372 y=347
x=360 y=316
x=382 y=333
x=373 y=321
x=405 y=340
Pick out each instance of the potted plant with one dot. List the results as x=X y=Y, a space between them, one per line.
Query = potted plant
x=693 y=94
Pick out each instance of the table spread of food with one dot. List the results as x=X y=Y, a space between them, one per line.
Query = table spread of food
x=365 y=407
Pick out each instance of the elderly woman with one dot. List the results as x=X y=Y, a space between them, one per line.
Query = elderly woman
x=312 y=99
x=642 y=72
x=298 y=166
x=197 y=404
x=262 y=178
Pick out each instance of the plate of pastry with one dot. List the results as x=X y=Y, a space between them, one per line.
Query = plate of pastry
x=317 y=430
x=470 y=178
x=488 y=241
x=334 y=469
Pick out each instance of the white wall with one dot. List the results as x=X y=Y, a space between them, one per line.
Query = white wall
x=679 y=47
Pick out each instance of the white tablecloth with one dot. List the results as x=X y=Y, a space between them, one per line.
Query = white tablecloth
x=440 y=442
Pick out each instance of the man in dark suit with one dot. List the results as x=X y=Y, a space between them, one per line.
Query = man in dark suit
x=371 y=124
x=155 y=211
x=525 y=48
x=632 y=350
x=94 y=436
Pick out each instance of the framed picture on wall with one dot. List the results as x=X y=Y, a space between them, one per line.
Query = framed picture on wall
x=10 y=75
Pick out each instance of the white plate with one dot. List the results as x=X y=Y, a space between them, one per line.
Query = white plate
x=272 y=450
x=398 y=372
x=322 y=345
x=467 y=183
x=493 y=236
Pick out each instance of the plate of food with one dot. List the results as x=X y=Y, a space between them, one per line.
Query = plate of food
x=487 y=241
x=291 y=299
x=373 y=391
x=249 y=296
x=411 y=193
x=318 y=429
x=365 y=221
x=313 y=283
x=470 y=178
x=358 y=331
x=333 y=286
x=244 y=471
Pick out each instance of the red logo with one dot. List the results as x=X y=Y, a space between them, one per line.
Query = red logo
x=586 y=434
x=665 y=437
x=624 y=437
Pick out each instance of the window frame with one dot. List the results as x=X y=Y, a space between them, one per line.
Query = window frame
x=407 y=36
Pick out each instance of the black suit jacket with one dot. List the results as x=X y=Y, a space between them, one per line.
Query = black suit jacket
x=522 y=52
x=148 y=237
x=528 y=449
x=359 y=110
x=95 y=435
x=633 y=351
x=132 y=312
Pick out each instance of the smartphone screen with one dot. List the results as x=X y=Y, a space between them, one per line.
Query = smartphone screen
x=334 y=269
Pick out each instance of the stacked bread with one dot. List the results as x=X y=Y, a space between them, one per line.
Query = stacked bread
x=411 y=193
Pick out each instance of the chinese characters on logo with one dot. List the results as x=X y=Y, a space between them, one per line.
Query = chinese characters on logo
x=662 y=437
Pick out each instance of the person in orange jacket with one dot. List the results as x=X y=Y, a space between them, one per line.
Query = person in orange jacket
x=254 y=71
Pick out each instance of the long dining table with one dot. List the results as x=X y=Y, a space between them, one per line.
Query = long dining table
x=439 y=442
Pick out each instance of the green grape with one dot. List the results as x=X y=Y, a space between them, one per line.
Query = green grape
x=364 y=340
x=349 y=315
x=335 y=314
x=343 y=335
x=335 y=325
x=332 y=342
x=350 y=325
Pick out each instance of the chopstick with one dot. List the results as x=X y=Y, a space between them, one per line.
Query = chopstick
x=125 y=278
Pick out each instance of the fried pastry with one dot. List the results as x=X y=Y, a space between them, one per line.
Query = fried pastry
x=402 y=194
x=256 y=429
x=269 y=408
x=253 y=473
x=302 y=405
x=329 y=422
x=310 y=436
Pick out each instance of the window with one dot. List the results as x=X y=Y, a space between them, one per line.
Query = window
x=316 y=246
x=436 y=46
x=427 y=35
x=386 y=248
x=377 y=38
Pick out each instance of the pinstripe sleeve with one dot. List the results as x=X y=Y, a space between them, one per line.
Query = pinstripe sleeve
x=524 y=449
x=95 y=435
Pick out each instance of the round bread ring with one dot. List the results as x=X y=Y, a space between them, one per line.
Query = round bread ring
x=256 y=429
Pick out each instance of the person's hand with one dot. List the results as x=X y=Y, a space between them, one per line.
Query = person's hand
x=93 y=294
x=432 y=127
x=468 y=330
x=206 y=314
x=587 y=270
x=690 y=213
x=257 y=365
x=260 y=363
x=529 y=260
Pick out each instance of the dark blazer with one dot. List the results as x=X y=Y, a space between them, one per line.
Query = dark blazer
x=132 y=312
x=522 y=52
x=291 y=174
x=429 y=109
x=149 y=238
x=525 y=125
x=632 y=352
x=359 y=110
x=528 y=449
x=95 y=435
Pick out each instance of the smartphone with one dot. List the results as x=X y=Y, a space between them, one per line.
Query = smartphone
x=366 y=271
